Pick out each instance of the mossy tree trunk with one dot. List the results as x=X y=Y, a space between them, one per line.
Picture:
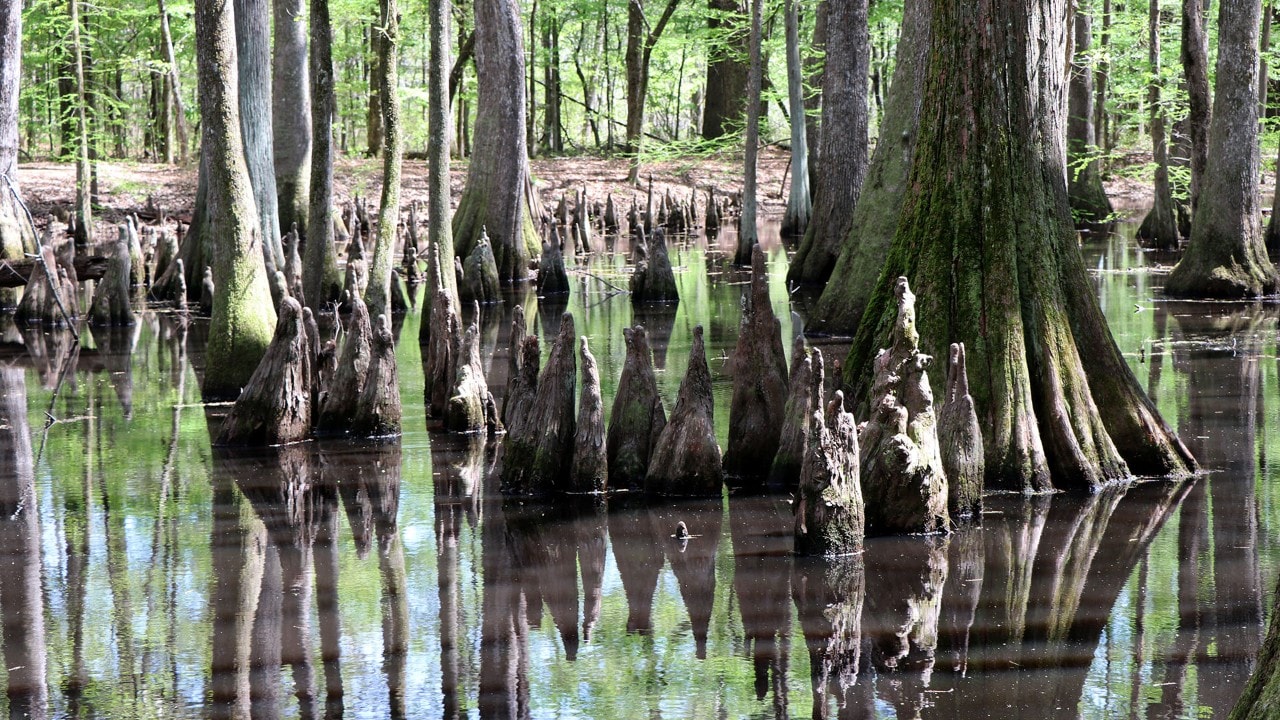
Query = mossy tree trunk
x=495 y=198
x=842 y=152
x=1160 y=226
x=321 y=280
x=1084 y=176
x=1225 y=256
x=384 y=245
x=243 y=317
x=875 y=217
x=17 y=235
x=986 y=239
x=291 y=113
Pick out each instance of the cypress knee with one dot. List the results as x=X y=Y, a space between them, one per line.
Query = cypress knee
x=480 y=275
x=830 y=514
x=960 y=441
x=552 y=278
x=590 y=468
x=353 y=368
x=539 y=447
x=440 y=363
x=686 y=458
x=378 y=409
x=471 y=407
x=794 y=435
x=653 y=280
x=637 y=417
x=111 y=305
x=759 y=381
x=275 y=407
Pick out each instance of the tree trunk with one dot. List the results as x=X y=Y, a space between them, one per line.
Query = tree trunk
x=815 y=66
x=373 y=68
x=987 y=241
x=17 y=235
x=291 y=114
x=552 y=132
x=175 y=86
x=243 y=316
x=1102 y=77
x=747 y=234
x=321 y=280
x=379 y=290
x=440 y=275
x=726 y=71
x=495 y=198
x=84 y=205
x=875 y=217
x=842 y=164
x=1195 y=67
x=1160 y=226
x=1225 y=256
x=639 y=50
x=799 y=201
x=1088 y=199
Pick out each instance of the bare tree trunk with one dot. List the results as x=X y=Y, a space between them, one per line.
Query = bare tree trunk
x=17 y=236
x=1160 y=226
x=639 y=50
x=1225 y=256
x=440 y=274
x=291 y=114
x=799 y=201
x=373 y=68
x=243 y=316
x=1195 y=67
x=552 y=131
x=747 y=220
x=321 y=281
x=84 y=206
x=726 y=71
x=1084 y=179
x=388 y=44
x=175 y=85
x=842 y=163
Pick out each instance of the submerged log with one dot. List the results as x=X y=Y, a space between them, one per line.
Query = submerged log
x=686 y=458
x=830 y=516
x=589 y=472
x=960 y=441
x=902 y=476
x=637 y=417
x=378 y=409
x=539 y=447
x=759 y=369
x=552 y=278
x=794 y=436
x=275 y=407
x=480 y=275
x=111 y=300
x=653 y=280
x=343 y=398
x=471 y=406
x=442 y=352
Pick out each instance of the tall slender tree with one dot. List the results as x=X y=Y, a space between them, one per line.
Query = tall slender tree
x=84 y=204
x=321 y=281
x=1225 y=256
x=243 y=316
x=291 y=113
x=747 y=233
x=1160 y=226
x=986 y=238
x=379 y=289
x=440 y=256
x=641 y=39
x=1084 y=175
x=799 y=201
x=1195 y=68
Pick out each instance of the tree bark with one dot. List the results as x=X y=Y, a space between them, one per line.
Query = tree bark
x=253 y=32
x=84 y=206
x=175 y=85
x=1225 y=256
x=747 y=233
x=384 y=245
x=243 y=316
x=440 y=275
x=495 y=198
x=17 y=235
x=842 y=164
x=987 y=241
x=1195 y=68
x=875 y=217
x=1160 y=226
x=291 y=113
x=320 y=277
x=799 y=200
x=726 y=72
x=1088 y=199
x=639 y=50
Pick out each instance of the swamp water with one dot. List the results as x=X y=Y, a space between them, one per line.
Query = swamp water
x=144 y=574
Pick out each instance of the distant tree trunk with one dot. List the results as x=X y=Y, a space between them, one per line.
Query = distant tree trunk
x=243 y=316
x=440 y=256
x=1262 y=62
x=799 y=202
x=373 y=117
x=495 y=198
x=875 y=217
x=1225 y=257
x=1102 y=76
x=1160 y=226
x=84 y=204
x=321 y=281
x=747 y=237
x=815 y=64
x=842 y=164
x=1195 y=67
x=552 y=130
x=379 y=289
x=175 y=85
x=987 y=185
x=639 y=50
x=253 y=46
x=1084 y=179
x=291 y=114
x=726 y=71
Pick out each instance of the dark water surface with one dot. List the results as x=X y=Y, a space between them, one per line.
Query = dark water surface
x=144 y=574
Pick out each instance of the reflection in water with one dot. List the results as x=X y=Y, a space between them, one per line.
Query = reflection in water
x=692 y=555
x=762 y=529
x=460 y=467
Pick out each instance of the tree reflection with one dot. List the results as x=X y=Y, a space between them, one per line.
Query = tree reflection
x=762 y=529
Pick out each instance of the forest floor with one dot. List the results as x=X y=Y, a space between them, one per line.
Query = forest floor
x=126 y=187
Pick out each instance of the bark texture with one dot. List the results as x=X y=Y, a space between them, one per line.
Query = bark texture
x=339 y=406
x=377 y=295
x=747 y=232
x=842 y=152
x=253 y=49
x=759 y=381
x=378 y=409
x=471 y=407
x=1195 y=70
x=1225 y=256
x=111 y=298
x=793 y=439
x=686 y=457
x=960 y=440
x=726 y=71
x=637 y=417
x=480 y=275
x=291 y=113
x=539 y=448
x=275 y=407
x=321 y=279
x=1160 y=226
x=1089 y=200
x=799 y=201
x=653 y=281
x=830 y=517
x=589 y=472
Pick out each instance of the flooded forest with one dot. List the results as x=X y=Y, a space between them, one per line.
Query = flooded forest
x=646 y=359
